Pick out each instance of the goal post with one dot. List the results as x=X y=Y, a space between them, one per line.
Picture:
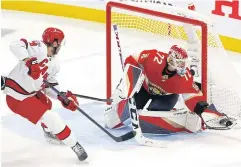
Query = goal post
x=159 y=27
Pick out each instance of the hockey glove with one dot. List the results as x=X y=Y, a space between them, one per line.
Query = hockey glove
x=71 y=104
x=34 y=68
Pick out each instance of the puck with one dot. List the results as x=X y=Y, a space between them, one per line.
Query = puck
x=229 y=123
x=226 y=122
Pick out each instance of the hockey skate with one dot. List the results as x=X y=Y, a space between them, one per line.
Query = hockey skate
x=80 y=152
x=51 y=138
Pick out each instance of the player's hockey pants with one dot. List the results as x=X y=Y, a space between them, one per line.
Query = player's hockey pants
x=31 y=108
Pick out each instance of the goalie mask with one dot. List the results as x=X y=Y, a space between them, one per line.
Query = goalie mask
x=178 y=59
x=54 y=39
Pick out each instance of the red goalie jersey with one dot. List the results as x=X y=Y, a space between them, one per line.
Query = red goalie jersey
x=160 y=81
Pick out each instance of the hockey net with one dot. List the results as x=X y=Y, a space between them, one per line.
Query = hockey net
x=159 y=27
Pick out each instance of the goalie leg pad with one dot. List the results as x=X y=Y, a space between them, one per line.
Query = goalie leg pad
x=132 y=80
x=163 y=122
x=117 y=116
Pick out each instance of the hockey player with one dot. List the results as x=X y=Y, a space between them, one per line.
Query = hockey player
x=26 y=93
x=164 y=76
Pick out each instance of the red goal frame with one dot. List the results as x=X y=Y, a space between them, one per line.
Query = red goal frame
x=204 y=39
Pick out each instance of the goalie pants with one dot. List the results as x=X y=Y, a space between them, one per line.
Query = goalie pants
x=37 y=108
x=159 y=103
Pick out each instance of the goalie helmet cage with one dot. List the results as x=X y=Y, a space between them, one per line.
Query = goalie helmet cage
x=159 y=27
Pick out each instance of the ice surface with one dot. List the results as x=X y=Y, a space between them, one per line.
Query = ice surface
x=83 y=71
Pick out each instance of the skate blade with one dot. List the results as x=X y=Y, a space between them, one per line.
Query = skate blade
x=54 y=142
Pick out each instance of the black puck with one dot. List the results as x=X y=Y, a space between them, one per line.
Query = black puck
x=229 y=123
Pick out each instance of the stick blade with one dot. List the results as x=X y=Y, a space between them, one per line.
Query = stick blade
x=126 y=136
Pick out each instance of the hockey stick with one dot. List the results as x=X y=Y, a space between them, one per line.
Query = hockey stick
x=124 y=137
x=93 y=98
x=118 y=44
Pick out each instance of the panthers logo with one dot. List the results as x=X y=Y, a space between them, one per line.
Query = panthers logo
x=155 y=89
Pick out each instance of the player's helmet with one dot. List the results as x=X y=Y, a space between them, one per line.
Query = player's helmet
x=178 y=59
x=50 y=35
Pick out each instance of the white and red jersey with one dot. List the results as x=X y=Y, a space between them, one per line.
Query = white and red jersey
x=153 y=63
x=19 y=84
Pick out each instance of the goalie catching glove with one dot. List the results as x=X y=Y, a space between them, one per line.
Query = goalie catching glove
x=71 y=104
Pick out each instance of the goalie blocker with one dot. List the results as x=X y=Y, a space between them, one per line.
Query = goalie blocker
x=157 y=114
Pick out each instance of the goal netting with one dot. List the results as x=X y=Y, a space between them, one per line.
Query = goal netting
x=159 y=27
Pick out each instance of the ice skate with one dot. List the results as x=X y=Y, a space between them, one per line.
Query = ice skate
x=51 y=138
x=80 y=152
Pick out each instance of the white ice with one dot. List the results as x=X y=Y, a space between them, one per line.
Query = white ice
x=83 y=71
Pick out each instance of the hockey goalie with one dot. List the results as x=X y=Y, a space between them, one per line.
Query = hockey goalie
x=166 y=96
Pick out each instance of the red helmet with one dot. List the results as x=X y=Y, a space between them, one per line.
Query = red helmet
x=51 y=34
x=178 y=52
x=178 y=59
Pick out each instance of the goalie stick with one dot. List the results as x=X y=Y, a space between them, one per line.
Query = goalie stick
x=139 y=137
x=118 y=44
x=124 y=137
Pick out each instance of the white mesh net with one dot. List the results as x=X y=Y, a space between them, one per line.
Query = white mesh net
x=139 y=31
